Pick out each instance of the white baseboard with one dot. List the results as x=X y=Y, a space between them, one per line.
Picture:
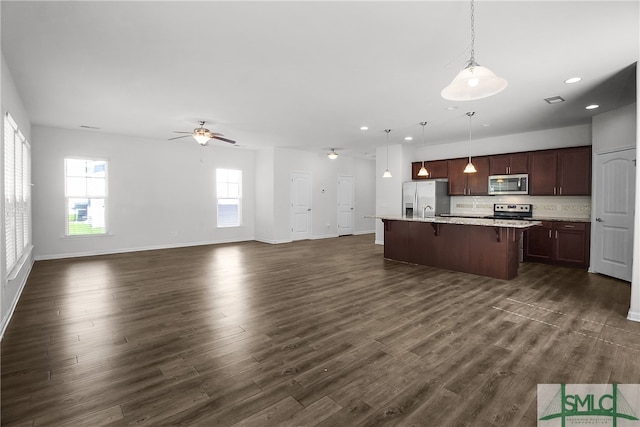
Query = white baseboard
x=326 y=236
x=380 y=242
x=14 y=303
x=137 y=249
x=273 y=242
x=358 y=233
x=633 y=316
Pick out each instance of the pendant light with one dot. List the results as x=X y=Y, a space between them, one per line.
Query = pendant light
x=423 y=171
x=333 y=155
x=474 y=81
x=386 y=173
x=470 y=168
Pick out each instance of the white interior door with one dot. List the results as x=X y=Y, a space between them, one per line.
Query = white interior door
x=345 y=205
x=612 y=249
x=300 y=205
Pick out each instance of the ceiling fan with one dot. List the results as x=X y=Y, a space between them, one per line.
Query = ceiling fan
x=202 y=135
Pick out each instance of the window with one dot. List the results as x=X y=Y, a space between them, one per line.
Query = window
x=229 y=194
x=17 y=193
x=86 y=194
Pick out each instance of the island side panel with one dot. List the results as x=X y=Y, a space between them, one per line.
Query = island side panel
x=396 y=240
x=494 y=252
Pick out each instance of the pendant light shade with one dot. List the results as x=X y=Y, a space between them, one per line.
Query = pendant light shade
x=423 y=170
x=470 y=168
x=333 y=155
x=474 y=81
x=386 y=173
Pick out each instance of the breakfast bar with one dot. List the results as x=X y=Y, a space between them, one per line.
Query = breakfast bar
x=486 y=247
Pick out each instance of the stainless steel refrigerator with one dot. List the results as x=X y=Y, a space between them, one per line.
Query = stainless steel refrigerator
x=423 y=199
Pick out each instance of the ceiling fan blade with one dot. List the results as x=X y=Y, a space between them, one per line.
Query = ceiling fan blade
x=179 y=131
x=230 y=141
x=178 y=137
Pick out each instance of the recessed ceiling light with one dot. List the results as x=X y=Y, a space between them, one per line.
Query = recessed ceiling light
x=451 y=108
x=573 y=80
x=486 y=125
x=554 y=100
x=364 y=128
x=408 y=138
x=591 y=107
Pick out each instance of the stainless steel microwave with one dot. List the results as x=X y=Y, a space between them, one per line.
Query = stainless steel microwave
x=509 y=184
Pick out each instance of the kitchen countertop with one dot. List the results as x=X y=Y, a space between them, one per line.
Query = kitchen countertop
x=534 y=218
x=486 y=222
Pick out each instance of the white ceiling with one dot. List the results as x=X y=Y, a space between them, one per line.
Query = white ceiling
x=307 y=74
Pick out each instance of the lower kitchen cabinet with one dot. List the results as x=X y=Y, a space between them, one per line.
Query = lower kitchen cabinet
x=559 y=242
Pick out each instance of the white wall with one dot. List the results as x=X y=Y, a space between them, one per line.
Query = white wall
x=264 y=220
x=614 y=130
x=324 y=176
x=572 y=136
x=11 y=289
x=160 y=193
x=389 y=190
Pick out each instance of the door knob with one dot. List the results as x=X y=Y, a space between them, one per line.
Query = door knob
x=599 y=220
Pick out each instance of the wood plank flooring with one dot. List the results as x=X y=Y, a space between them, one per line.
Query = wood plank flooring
x=322 y=332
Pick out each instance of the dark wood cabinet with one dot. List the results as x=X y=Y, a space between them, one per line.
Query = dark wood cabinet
x=559 y=242
x=562 y=172
x=468 y=184
x=574 y=171
x=505 y=164
x=436 y=169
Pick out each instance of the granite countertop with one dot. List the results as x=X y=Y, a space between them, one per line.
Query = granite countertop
x=486 y=222
x=534 y=218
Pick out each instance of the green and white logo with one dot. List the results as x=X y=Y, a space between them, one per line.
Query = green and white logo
x=614 y=405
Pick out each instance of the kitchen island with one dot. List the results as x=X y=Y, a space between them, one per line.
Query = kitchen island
x=486 y=247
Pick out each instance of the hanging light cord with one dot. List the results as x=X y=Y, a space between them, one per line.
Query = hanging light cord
x=472 y=61
x=470 y=114
x=387 y=131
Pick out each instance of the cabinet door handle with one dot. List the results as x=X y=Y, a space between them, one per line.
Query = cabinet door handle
x=554 y=190
x=569 y=226
x=549 y=233
x=556 y=234
x=561 y=191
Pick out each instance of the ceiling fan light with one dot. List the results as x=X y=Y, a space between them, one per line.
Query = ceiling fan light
x=333 y=155
x=474 y=82
x=470 y=168
x=386 y=174
x=201 y=138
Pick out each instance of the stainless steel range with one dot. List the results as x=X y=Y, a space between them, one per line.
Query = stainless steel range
x=512 y=211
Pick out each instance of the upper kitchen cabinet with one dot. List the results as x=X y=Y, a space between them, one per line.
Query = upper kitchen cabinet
x=469 y=184
x=436 y=169
x=506 y=164
x=562 y=172
x=574 y=171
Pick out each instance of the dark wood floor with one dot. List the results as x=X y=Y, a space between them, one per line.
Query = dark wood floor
x=321 y=332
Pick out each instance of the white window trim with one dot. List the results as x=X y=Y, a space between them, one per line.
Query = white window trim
x=105 y=197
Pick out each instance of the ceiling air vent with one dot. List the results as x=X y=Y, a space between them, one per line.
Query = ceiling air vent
x=554 y=100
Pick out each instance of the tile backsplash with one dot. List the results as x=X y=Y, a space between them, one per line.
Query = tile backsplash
x=576 y=207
